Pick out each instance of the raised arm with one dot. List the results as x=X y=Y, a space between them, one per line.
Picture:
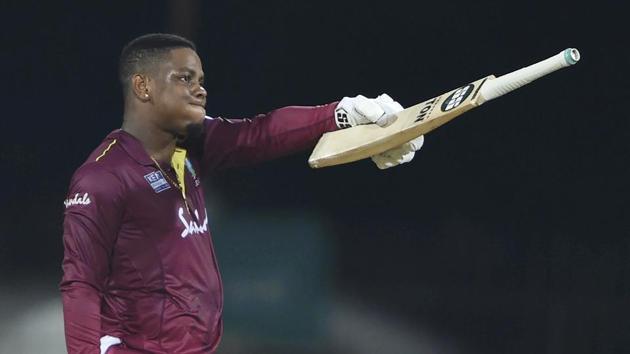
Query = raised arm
x=237 y=142
x=92 y=218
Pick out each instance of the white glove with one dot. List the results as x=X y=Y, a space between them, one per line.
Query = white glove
x=388 y=104
x=403 y=153
x=399 y=155
x=352 y=111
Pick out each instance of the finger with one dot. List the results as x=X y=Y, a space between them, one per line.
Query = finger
x=385 y=98
x=417 y=143
x=382 y=162
x=368 y=109
x=386 y=119
x=407 y=157
x=388 y=104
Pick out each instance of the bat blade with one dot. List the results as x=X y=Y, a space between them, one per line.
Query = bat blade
x=363 y=141
x=360 y=142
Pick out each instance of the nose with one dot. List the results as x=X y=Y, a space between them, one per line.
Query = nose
x=201 y=92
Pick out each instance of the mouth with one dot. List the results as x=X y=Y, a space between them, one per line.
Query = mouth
x=199 y=104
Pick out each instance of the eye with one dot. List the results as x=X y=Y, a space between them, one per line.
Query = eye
x=185 y=78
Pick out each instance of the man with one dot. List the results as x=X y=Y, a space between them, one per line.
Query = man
x=139 y=270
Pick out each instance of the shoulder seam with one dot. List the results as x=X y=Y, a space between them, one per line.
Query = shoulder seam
x=106 y=150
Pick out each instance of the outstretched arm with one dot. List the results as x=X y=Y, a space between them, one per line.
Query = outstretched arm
x=237 y=142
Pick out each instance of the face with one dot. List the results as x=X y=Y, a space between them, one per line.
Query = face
x=177 y=93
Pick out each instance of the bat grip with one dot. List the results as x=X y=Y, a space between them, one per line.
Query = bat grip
x=510 y=82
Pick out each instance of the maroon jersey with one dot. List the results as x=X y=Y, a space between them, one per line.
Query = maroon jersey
x=138 y=258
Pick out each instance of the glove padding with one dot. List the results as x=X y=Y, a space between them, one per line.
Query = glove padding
x=403 y=153
x=399 y=155
x=353 y=111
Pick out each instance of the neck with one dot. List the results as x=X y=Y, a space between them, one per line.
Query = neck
x=159 y=144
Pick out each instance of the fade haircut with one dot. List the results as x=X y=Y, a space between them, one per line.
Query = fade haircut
x=143 y=53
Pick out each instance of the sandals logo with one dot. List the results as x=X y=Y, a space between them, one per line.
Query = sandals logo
x=77 y=200
x=192 y=227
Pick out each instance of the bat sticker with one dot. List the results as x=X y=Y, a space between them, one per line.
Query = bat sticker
x=426 y=109
x=457 y=97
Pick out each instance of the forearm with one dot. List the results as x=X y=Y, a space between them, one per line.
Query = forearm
x=286 y=131
x=82 y=318
x=278 y=133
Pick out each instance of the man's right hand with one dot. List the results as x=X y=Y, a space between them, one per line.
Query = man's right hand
x=352 y=111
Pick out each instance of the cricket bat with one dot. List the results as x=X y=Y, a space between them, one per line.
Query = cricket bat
x=363 y=141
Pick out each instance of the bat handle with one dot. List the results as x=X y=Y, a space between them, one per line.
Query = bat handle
x=510 y=82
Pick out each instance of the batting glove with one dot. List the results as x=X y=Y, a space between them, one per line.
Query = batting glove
x=403 y=153
x=352 y=111
x=399 y=155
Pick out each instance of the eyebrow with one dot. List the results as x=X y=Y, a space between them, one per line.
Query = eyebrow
x=190 y=70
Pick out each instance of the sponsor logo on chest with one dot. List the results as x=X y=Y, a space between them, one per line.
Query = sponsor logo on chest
x=157 y=181
x=192 y=227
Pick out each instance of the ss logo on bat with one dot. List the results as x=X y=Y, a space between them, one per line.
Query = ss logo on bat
x=457 y=97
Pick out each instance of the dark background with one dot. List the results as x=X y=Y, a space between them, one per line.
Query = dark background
x=507 y=233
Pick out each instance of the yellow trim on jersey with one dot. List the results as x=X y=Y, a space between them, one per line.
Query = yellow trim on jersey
x=178 y=161
x=106 y=150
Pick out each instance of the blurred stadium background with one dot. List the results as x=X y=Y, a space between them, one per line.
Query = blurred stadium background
x=508 y=233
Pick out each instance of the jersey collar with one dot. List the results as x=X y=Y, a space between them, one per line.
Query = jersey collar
x=132 y=146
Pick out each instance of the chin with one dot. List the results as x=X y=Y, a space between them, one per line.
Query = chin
x=197 y=113
x=200 y=117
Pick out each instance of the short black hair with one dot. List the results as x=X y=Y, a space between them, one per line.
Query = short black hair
x=139 y=55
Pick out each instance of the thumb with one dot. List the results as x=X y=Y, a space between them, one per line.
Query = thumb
x=386 y=119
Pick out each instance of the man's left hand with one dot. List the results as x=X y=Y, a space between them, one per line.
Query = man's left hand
x=403 y=153
x=399 y=155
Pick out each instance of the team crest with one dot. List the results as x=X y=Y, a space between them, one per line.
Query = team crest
x=191 y=169
x=157 y=181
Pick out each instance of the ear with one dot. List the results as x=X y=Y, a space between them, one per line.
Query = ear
x=141 y=87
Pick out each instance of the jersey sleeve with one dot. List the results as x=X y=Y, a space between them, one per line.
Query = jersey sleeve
x=92 y=218
x=284 y=131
